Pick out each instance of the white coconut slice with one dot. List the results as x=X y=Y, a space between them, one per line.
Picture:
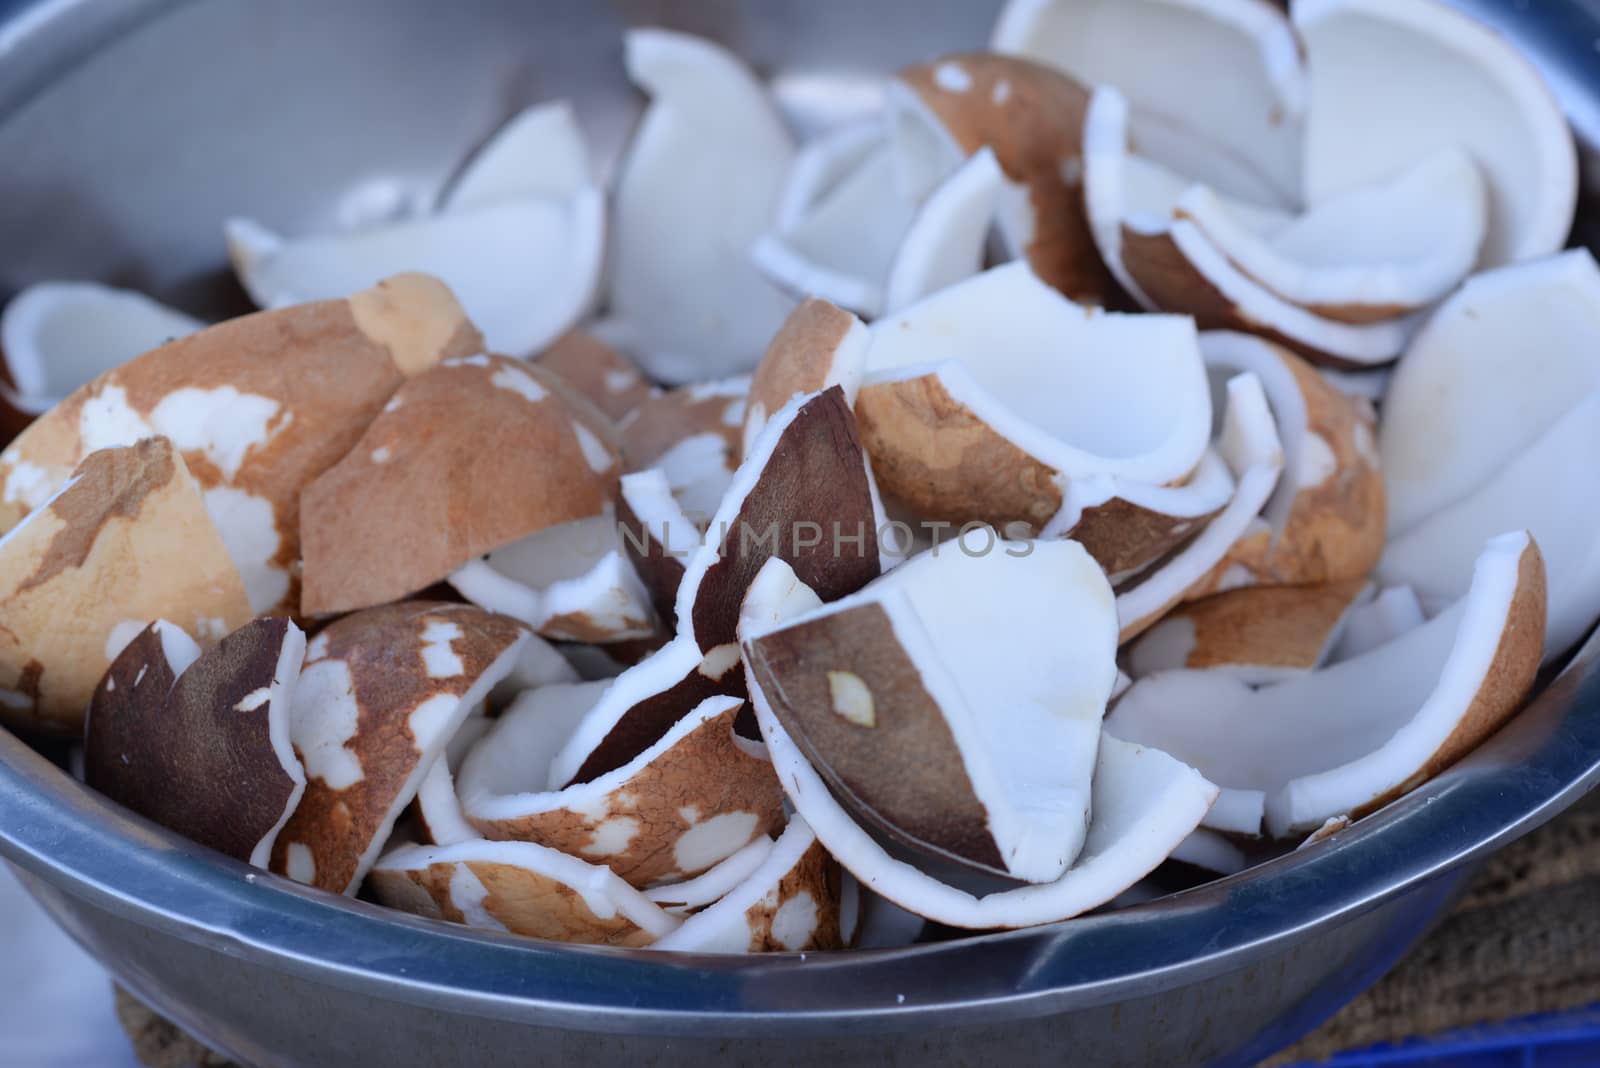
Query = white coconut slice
x=1352 y=737
x=1210 y=851
x=125 y=541
x=789 y=903
x=1249 y=443
x=1250 y=104
x=657 y=536
x=692 y=895
x=437 y=812
x=521 y=888
x=822 y=163
x=818 y=346
x=879 y=922
x=56 y=336
x=699 y=184
x=540 y=153
x=1260 y=635
x=381 y=695
x=980 y=400
x=598 y=372
x=1497 y=366
x=946 y=240
x=1394 y=611
x=687 y=802
x=898 y=696
x=1393 y=81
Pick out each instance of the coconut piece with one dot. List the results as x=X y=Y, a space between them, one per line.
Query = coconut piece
x=1497 y=366
x=1327 y=513
x=699 y=184
x=1250 y=104
x=439 y=820
x=1364 y=385
x=658 y=537
x=1032 y=118
x=126 y=540
x=690 y=800
x=981 y=399
x=946 y=240
x=199 y=742
x=1211 y=852
x=1350 y=738
x=521 y=888
x=381 y=694
x=1260 y=635
x=790 y=902
x=822 y=163
x=1333 y=826
x=819 y=346
x=692 y=895
x=56 y=336
x=882 y=691
x=539 y=153
x=1244 y=564
x=467 y=457
x=1414 y=77
x=1394 y=611
x=1249 y=443
x=227 y=397
x=598 y=372
x=694 y=435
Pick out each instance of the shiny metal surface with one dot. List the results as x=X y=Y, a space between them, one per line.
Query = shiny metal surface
x=131 y=128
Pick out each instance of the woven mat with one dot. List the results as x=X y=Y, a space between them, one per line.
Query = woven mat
x=1522 y=941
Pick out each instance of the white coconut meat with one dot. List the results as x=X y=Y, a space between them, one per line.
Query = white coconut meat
x=699 y=184
x=1349 y=738
x=958 y=734
x=945 y=242
x=1391 y=613
x=822 y=163
x=1497 y=366
x=1249 y=105
x=714 y=883
x=56 y=336
x=438 y=807
x=1211 y=852
x=540 y=153
x=1394 y=81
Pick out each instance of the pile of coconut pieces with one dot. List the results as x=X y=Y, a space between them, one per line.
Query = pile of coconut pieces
x=1070 y=466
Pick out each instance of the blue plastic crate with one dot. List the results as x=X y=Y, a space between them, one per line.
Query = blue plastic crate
x=1555 y=1040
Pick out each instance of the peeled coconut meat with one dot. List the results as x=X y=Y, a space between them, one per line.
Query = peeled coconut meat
x=819 y=345
x=982 y=400
x=381 y=695
x=199 y=742
x=520 y=888
x=1327 y=513
x=694 y=435
x=124 y=541
x=1391 y=613
x=1031 y=118
x=439 y=820
x=1350 y=738
x=789 y=903
x=55 y=336
x=691 y=895
x=947 y=238
x=1498 y=365
x=822 y=163
x=539 y=153
x=1259 y=635
x=258 y=406
x=1395 y=81
x=466 y=457
x=891 y=694
x=688 y=801
x=1248 y=442
x=598 y=372
x=699 y=183
x=1210 y=851
x=1238 y=128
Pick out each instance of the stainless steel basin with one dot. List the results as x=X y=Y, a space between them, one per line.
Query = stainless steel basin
x=131 y=128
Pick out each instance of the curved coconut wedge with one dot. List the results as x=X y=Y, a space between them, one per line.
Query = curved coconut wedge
x=521 y=888
x=1328 y=512
x=822 y=163
x=1352 y=737
x=819 y=346
x=980 y=400
x=125 y=540
x=439 y=819
x=1259 y=635
x=1393 y=81
x=1032 y=118
x=381 y=695
x=699 y=184
x=1497 y=366
x=1249 y=443
x=258 y=406
x=1250 y=104
x=694 y=435
x=689 y=801
x=789 y=903
x=1210 y=851
x=206 y=754
x=657 y=536
x=539 y=153
x=465 y=458
x=598 y=372
x=692 y=895
x=1393 y=612
x=946 y=240
x=954 y=732
x=56 y=336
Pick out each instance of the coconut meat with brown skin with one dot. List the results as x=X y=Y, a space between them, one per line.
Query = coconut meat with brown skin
x=56 y=336
x=598 y=372
x=539 y=153
x=819 y=345
x=657 y=536
x=699 y=183
x=899 y=695
x=1350 y=738
x=711 y=885
x=1393 y=81
x=520 y=888
x=438 y=808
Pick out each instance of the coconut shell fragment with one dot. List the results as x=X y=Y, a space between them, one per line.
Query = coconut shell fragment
x=199 y=742
x=598 y=372
x=818 y=346
x=125 y=541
